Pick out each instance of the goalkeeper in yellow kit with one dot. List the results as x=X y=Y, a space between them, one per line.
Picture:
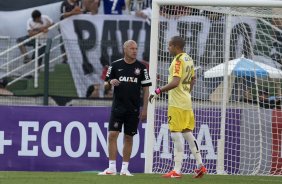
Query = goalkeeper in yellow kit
x=180 y=113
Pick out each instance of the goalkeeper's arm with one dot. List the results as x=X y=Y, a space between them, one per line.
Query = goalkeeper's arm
x=173 y=84
x=193 y=80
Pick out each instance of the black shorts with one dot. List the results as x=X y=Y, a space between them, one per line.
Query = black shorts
x=128 y=120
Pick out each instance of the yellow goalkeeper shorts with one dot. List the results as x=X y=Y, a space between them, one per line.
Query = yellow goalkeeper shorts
x=180 y=119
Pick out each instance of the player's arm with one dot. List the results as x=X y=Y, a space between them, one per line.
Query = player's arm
x=177 y=70
x=107 y=84
x=145 y=102
x=110 y=79
x=193 y=80
x=173 y=84
x=176 y=73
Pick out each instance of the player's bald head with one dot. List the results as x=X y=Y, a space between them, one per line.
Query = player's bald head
x=178 y=41
x=128 y=43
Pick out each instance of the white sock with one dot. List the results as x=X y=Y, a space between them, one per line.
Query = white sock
x=124 y=166
x=178 y=151
x=193 y=145
x=112 y=165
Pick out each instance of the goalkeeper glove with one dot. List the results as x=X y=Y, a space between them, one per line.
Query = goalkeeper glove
x=154 y=95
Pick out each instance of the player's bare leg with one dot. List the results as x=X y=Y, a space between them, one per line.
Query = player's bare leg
x=127 y=149
x=112 y=148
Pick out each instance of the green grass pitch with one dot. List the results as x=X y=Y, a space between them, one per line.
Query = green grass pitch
x=93 y=178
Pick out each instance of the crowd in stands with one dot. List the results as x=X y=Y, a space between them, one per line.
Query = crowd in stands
x=39 y=23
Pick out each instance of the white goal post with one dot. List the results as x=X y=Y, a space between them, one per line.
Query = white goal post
x=234 y=45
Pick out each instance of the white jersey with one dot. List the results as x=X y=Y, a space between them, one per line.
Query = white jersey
x=45 y=21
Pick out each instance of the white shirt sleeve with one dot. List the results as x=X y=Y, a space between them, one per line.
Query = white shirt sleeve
x=48 y=19
x=28 y=24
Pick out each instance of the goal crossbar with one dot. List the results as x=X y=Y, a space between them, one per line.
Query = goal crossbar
x=241 y=3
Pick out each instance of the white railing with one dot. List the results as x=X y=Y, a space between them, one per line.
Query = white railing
x=14 y=71
x=5 y=57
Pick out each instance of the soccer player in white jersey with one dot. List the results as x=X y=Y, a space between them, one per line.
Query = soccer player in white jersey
x=180 y=113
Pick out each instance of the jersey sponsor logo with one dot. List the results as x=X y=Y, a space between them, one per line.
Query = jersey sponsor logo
x=177 y=67
x=137 y=71
x=186 y=58
x=128 y=79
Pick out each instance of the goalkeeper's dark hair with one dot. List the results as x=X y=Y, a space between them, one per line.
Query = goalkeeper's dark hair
x=178 y=41
x=35 y=14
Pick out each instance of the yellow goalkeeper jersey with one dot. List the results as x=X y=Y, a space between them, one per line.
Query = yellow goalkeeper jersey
x=182 y=66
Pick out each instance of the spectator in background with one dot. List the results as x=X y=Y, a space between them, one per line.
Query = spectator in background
x=265 y=101
x=276 y=51
x=140 y=8
x=36 y=24
x=213 y=16
x=69 y=8
x=3 y=90
x=108 y=93
x=137 y=5
x=263 y=95
x=114 y=6
x=248 y=96
x=93 y=91
x=175 y=11
x=278 y=104
x=91 y=6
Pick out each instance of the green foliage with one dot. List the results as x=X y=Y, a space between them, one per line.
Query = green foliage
x=60 y=84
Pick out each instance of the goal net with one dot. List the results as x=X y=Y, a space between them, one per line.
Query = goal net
x=237 y=96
